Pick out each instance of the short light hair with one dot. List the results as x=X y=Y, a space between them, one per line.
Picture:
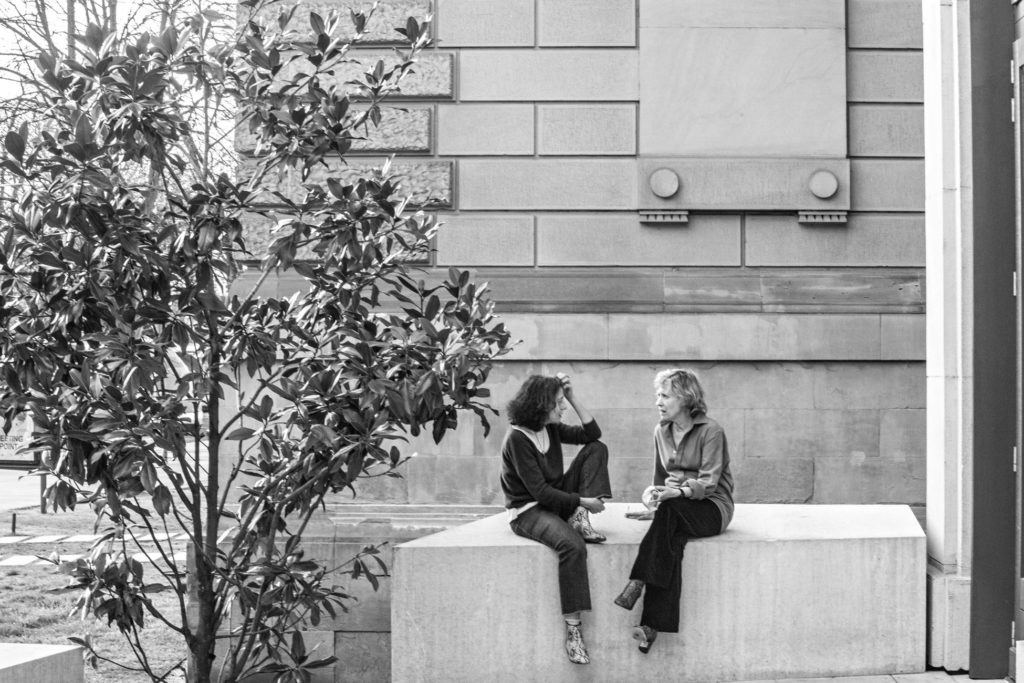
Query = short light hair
x=685 y=384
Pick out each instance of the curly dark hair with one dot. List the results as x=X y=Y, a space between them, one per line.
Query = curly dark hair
x=534 y=400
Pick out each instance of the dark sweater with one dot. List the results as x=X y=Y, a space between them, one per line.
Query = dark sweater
x=529 y=475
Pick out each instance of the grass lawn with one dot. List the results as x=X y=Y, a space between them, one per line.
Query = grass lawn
x=34 y=613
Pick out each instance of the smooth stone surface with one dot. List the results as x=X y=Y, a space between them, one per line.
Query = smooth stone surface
x=759 y=91
x=29 y=662
x=787 y=591
x=586 y=129
x=570 y=23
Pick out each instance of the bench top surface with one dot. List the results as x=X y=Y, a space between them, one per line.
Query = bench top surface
x=15 y=654
x=751 y=523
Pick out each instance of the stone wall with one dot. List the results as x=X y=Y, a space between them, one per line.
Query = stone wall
x=532 y=127
x=736 y=187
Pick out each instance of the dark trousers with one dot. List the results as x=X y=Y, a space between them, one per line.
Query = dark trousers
x=587 y=476
x=659 y=561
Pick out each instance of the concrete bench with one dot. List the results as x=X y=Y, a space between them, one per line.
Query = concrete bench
x=788 y=591
x=23 y=662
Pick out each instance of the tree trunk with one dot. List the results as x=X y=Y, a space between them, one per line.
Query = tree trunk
x=71 y=28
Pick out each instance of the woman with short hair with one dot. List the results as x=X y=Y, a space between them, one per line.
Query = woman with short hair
x=548 y=505
x=691 y=497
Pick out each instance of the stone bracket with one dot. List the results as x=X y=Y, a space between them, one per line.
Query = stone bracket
x=821 y=217
x=664 y=217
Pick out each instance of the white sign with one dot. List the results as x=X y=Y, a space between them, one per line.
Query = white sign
x=13 y=441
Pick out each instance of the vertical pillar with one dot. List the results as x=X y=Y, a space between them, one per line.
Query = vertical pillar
x=995 y=335
x=948 y=248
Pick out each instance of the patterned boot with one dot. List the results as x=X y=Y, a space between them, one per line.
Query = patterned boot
x=630 y=594
x=574 y=646
x=580 y=521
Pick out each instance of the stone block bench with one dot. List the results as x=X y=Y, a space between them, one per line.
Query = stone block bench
x=788 y=591
x=24 y=662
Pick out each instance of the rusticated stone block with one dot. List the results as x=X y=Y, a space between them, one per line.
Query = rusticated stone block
x=695 y=337
x=554 y=290
x=485 y=239
x=462 y=441
x=258 y=233
x=804 y=14
x=400 y=131
x=903 y=337
x=875 y=76
x=558 y=337
x=319 y=645
x=574 y=129
x=738 y=387
x=567 y=23
x=903 y=434
x=366 y=657
x=488 y=23
x=384 y=490
x=455 y=480
x=858 y=480
x=629 y=475
x=869 y=386
x=697 y=290
x=432 y=76
x=769 y=337
x=427 y=183
x=842 y=290
x=773 y=480
x=890 y=290
x=530 y=75
x=865 y=240
x=380 y=29
x=887 y=184
x=886 y=130
x=618 y=239
x=884 y=23
x=812 y=434
x=485 y=129
x=523 y=184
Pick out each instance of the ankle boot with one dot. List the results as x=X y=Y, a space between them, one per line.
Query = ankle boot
x=574 y=646
x=644 y=635
x=630 y=594
x=580 y=521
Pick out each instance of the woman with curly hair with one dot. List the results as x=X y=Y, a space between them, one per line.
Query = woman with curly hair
x=548 y=505
x=691 y=497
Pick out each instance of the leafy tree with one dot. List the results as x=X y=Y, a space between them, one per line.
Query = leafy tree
x=166 y=399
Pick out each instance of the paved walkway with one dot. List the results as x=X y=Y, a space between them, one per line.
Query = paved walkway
x=927 y=677
x=24 y=544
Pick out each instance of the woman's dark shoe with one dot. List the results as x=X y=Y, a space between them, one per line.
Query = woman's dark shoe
x=644 y=635
x=630 y=594
x=574 y=646
x=580 y=521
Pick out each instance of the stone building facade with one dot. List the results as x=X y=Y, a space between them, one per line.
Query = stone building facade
x=738 y=187
x=787 y=265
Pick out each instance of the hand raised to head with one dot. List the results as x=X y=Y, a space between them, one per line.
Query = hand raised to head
x=566 y=385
